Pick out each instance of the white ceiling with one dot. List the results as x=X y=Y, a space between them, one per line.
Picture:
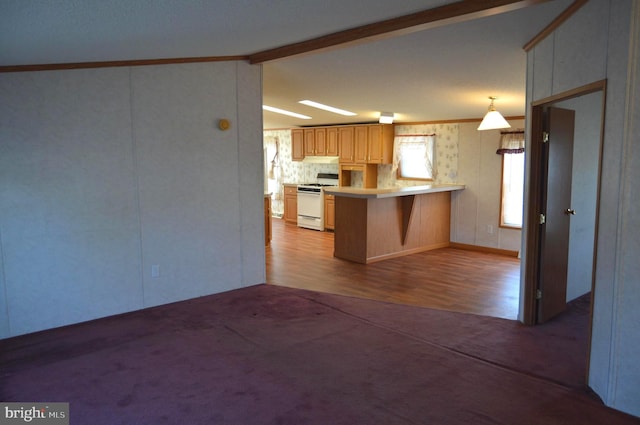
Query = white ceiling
x=446 y=72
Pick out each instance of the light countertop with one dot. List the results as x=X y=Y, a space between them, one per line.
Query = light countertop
x=391 y=192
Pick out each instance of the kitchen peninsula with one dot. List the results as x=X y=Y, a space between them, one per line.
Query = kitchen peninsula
x=376 y=224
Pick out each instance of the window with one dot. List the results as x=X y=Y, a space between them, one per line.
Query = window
x=413 y=156
x=512 y=191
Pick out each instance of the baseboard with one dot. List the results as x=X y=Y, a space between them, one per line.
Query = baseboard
x=506 y=252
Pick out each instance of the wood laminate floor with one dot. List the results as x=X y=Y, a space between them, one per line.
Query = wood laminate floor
x=446 y=279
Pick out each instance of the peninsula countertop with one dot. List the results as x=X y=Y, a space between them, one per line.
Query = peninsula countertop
x=391 y=192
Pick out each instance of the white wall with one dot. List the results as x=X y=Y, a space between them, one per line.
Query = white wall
x=106 y=172
x=602 y=40
x=475 y=211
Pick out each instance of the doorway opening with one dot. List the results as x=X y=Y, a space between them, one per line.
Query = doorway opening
x=563 y=199
x=588 y=102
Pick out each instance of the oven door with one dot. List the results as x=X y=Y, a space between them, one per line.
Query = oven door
x=311 y=210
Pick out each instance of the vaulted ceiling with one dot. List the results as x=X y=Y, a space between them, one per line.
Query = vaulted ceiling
x=445 y=70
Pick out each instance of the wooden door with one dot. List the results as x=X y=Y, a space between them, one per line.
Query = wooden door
x=556 y=202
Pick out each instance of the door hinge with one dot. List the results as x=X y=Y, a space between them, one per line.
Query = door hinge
x=543 y=219
x=538 y=294
x=545 y=136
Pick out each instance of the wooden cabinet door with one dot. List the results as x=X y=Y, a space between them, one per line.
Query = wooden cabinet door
x=291 y=203
x=267 y=220
x=309 y=142
x=291 y=208
x=361 y=141
x=297 y=144
x=345 y=142
x=374 y=144
x=321 y=141
x=332 y=141
x=329 y=212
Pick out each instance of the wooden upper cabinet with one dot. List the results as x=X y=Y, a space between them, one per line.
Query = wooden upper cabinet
x=332 y=141
x=309 y=142
x=297 y=144
x=380 y=144
x=315 y=141
x=321 y=141
x=345 y=143
x=361 y=141
x=354 y=144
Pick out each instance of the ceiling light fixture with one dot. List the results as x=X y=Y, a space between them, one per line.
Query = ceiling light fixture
x=493 y=120
x=386 y=118
x=284 y=112
x=327 y=108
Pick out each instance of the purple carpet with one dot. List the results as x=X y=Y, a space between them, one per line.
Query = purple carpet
x=274 y=355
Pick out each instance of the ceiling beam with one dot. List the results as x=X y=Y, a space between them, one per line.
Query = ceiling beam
x=573 y=8
x=459 y=11
x=111 y=64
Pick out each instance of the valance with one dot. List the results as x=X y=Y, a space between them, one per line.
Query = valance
x=511 y=142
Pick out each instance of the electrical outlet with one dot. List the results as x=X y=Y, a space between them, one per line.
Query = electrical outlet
x=490 y=229
x=155 y=270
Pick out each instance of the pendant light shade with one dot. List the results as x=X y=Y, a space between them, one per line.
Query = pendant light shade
x=493 y=120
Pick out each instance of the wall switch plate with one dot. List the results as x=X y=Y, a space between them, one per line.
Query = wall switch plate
x=155 y=270
x=490 y=229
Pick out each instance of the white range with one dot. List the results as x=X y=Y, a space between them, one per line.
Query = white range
x=311 y=201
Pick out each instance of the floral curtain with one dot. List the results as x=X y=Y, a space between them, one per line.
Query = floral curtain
x=511 y=142
x=413 y=146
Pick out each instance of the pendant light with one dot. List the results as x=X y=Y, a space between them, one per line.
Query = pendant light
x=493 y=120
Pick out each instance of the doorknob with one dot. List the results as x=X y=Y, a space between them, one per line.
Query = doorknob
x=569 y=211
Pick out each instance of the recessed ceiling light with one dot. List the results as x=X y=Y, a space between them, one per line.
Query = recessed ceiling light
x=327 y=108
x=283 y=112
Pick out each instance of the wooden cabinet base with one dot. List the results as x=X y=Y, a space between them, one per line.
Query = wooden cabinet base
x=329 y=212
x=290 y=203
x=375 y=229
x=369 y=174
x=267 y=220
